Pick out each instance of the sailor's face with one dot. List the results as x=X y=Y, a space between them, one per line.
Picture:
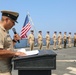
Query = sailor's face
x=10 y=23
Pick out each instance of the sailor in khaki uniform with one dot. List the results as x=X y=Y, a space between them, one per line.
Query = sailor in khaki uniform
x=54 y=40
x=65 y=39
x=69 y=40
x=31 y=40
x=60 y=40
x=47 y=40
x=6 y=44
x=40 y=43
x=74 y=39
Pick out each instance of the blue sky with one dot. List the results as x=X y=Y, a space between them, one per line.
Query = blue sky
x=47 y=15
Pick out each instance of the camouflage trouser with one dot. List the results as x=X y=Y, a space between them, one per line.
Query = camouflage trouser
x=74 y=43
x=65 y=41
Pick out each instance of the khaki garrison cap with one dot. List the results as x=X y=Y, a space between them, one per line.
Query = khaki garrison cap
x=12 y=15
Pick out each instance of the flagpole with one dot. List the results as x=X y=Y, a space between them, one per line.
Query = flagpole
x=32 y=24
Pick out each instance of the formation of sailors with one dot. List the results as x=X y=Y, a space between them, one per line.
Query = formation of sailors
x=57 y=40
x=65 y=39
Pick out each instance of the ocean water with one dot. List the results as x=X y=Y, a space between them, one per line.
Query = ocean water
x=24 y=43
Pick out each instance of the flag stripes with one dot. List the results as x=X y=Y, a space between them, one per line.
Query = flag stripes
x=25 y=28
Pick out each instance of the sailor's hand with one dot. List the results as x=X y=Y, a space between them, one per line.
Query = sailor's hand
x=16 y=37
x=20 y=54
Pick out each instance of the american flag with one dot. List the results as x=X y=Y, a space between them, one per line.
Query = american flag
x=26 y=27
